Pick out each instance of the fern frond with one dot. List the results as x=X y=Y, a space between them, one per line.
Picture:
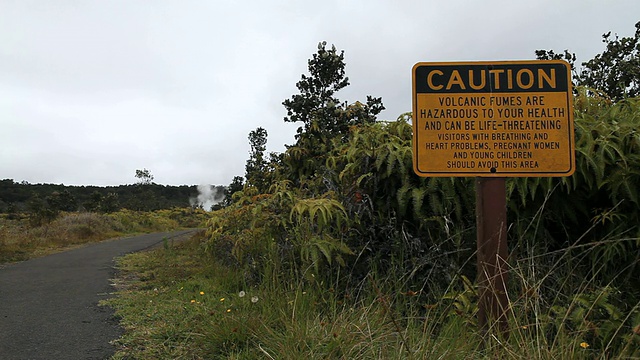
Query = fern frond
x=403 y=199
x=418 y=194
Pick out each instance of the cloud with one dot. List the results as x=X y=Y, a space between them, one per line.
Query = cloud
x=90 y=91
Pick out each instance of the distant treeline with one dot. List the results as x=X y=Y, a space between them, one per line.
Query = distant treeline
x=22 y=196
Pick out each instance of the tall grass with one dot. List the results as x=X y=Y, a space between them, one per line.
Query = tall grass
x=20 y=240
x=180 y=304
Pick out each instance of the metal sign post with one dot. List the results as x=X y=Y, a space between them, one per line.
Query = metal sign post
x=493 y=120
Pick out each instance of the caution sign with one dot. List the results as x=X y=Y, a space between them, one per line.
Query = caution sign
x=494 y=119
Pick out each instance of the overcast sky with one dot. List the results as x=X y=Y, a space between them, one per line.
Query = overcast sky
x=90 y=91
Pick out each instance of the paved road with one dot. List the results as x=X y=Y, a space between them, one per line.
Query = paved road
x=49 y=306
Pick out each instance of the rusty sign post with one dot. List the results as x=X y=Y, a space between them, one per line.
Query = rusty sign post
x=493 y=120
x=491 y=228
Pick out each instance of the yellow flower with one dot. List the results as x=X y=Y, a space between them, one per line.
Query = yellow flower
x=228 y=310
x=193 y=301
x=584 y=345
x=201 y=292
x=221 y=299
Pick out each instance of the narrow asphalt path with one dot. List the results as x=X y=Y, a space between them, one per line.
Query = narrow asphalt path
x=49 y=306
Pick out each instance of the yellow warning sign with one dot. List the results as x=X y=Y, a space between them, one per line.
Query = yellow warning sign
x=494 y=119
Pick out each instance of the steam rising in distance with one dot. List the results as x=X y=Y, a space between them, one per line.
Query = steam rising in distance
x=208 y=196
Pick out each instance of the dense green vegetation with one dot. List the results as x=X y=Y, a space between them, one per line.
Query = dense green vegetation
x=364 y=215
x=349 y=254
x=23 y=197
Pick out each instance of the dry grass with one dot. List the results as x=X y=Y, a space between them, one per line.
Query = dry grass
x=19 y=240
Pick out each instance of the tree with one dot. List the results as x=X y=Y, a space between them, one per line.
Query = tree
x=256 y=167
x=237 y=184
x=62 y=201
x=110 y=203
x=40 y=212
x=616 y=71
x=12 y=211
x=324 y=117
x=317 y=107
x=315 y=104
x=144 y=177
x=95 y=202
x=552 y=55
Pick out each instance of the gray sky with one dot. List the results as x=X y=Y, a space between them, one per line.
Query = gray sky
x=90 y=91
